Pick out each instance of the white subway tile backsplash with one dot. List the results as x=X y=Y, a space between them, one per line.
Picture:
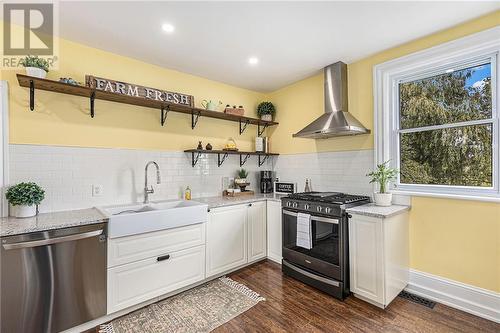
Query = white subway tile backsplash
x=330 y=171
x=68 y=173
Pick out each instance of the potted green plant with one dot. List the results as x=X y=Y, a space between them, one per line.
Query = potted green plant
x=266 y=111
x=241 y=179
x=383 y=175
x=35 y=66
x=24 y=199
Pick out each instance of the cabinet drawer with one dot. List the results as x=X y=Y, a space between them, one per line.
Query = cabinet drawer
x=143 y=280
x=133 y=248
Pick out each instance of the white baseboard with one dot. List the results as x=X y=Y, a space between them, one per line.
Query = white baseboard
x=477 y=301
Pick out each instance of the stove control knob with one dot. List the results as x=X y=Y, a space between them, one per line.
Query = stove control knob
x=319 y=209
x=328 y=210
x=307 y=206
x=295 y=204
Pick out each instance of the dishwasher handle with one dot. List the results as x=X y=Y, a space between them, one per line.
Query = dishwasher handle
x=55 y=240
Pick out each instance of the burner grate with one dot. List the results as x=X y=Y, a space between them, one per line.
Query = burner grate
x=417 y=299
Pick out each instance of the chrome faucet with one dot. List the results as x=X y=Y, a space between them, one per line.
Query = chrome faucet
x=147 y=190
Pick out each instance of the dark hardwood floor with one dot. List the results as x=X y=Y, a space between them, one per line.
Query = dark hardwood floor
x=292 y=306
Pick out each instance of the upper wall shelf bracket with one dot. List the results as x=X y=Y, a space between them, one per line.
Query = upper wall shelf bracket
x=219 y=160
x=243 y=160
x=194 y=159
x=32 y=95
x=92 y=102
x=262 y=160
x=244 y=127
x=195 y=116
x=259 y=131
x=163 y=114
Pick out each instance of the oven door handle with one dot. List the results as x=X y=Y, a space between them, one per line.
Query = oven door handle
x=313 y=217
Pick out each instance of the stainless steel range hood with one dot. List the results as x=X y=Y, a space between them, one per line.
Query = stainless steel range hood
x=336 y=121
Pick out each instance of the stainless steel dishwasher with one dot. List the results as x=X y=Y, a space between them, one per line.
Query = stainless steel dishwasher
x=53 y=280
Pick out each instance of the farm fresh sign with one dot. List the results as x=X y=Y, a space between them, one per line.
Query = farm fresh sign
x=132 y=90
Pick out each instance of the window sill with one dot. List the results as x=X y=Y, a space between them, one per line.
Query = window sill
x=447 y=196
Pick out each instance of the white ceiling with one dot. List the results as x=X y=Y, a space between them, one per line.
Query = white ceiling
x=291 y=39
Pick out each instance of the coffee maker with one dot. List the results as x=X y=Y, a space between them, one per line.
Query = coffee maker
x=266 y=181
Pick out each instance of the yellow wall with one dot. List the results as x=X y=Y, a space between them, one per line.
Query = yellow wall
x=455 y=239
x=64 y=120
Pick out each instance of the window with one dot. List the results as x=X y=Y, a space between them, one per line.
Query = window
x=446 y=128
x=437 y=119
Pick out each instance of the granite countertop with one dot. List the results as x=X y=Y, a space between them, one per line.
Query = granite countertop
x=220 y=201
x=10 y=226
x=377 y=211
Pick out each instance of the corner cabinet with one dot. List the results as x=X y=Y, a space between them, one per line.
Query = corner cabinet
x=274 y=227
x=257 y=231
x=236 y=235
x=378 y=257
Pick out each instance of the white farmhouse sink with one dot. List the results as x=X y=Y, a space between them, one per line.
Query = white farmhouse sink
x=140 y=218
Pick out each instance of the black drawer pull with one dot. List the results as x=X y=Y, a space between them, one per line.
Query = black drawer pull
x=165 y=257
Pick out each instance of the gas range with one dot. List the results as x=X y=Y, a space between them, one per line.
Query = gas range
x=326 y=203
x=317 y=252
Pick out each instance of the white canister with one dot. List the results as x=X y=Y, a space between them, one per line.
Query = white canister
x=259 y=144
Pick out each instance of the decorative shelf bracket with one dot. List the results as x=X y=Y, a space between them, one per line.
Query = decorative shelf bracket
x=243 y=160
x=92 y=102
x=263 y=129
x=32 y=95
x=261 y=161
x=242 y=129
x=219 y=160
x=195 y=118
x=163 y=114
x=194 y=159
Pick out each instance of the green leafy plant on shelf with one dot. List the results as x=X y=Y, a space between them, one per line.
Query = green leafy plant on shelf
x=266 y=110
x=25 y=194
x=35 y=61
x=242 y=174
x=383 y=175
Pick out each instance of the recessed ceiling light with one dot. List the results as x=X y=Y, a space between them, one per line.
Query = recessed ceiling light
x=253 y=60
x=167 y=27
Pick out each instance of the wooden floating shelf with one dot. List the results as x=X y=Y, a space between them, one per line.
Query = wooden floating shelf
x=223 y=154
x=165 y=107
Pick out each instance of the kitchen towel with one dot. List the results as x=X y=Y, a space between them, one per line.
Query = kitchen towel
x=304 y=237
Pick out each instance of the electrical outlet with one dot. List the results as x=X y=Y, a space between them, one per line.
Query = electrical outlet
x=97 y=190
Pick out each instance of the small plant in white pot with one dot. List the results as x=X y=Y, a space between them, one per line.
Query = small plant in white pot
x=36 y=67
x=266 y=111
x=242 y=177
x=383 y=175
x=24 y=199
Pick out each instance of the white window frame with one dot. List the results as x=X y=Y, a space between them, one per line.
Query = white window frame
x=470 y=50
x=4 y=145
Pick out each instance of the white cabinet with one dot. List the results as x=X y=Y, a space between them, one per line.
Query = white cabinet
x=274 y=246
x=144 y=266
x=256 y=223
x=123 y=250
x=236 y=235
x=143 y=280
x=378 y=257
x=226 y=238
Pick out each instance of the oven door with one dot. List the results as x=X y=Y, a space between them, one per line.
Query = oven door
x=326 y=252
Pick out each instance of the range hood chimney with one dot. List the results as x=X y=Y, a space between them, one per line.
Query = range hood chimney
x=336 y=121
